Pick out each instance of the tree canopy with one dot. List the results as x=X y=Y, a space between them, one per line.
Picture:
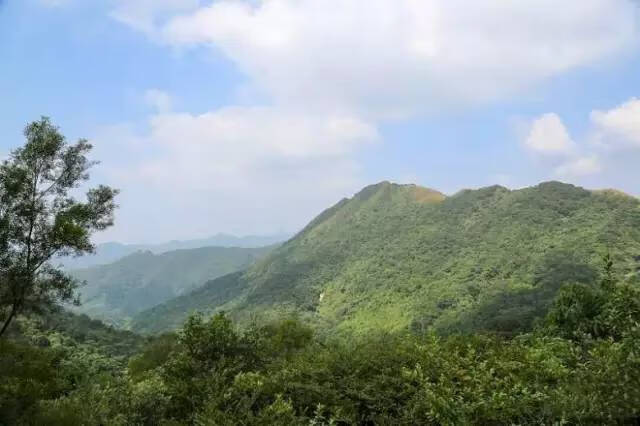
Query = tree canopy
x=40 y=218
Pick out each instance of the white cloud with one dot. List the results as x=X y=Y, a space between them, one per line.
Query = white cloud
x=332 y=71
x=159 y=100
x=620 y=124
x=581 y=166
x=246 y=136
x=145 y=15
x=393 y=58
x=599 y=150
x=549 y=136
x=240 y=169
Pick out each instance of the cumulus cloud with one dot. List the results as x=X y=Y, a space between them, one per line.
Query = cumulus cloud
x=247 y=169
x=239 y=145
x=581 y=166
x=332 y=72
x=549 y=136
x=549 y=139
x=145 y=15
x=611 y=131
x=620 y=124
x=393 y=58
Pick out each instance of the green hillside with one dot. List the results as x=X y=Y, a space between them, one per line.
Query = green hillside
x=398 y=256
x=116 y=291
x=110 y=252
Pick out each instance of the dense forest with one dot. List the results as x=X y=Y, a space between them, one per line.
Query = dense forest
x=400 y=306
x=580 y=365
x=114 y=292
x=402 y=256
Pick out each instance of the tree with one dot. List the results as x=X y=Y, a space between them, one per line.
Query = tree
x=610 y=310
x=40 y=219
x=608 y=281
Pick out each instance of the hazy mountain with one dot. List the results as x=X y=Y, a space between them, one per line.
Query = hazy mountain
x=112 y=251
x=141 y=280
x=397 y=256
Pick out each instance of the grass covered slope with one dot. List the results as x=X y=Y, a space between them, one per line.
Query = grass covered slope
x=116 y=291
x=398 y=256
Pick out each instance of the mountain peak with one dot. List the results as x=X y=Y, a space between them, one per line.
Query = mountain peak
x=395 y=255
x=418 y=193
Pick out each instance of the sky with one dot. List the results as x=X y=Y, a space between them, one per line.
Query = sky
x=253 y=116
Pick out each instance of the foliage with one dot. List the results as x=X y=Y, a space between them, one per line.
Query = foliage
x=28 y=376
x=400 y=257
x=213 y=373
x=572 y=357
x=43 y=368
x=608 y=311
x=116 y=291
x=170 y=315
x=82 y=330
x=39 y=219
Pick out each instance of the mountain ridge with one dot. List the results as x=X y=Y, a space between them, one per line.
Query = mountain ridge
x=110 y=252
x=385 y=258
x=116 y=291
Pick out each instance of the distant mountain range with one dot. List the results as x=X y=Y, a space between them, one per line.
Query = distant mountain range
x=402 y=256
x=112 y=251
x=114 y=292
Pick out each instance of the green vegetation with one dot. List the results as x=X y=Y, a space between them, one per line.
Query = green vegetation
x=44 y=358
x=111 y=252
x=141 y=280
x=40 y=219
x=398 y=307
x=398 y=257
x=579 y=366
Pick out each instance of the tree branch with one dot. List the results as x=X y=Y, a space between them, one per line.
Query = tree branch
x=8 y=321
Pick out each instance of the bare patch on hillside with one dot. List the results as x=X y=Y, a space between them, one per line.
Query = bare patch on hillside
x=426 y=195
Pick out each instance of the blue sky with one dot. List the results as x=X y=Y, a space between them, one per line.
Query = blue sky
x=253 y=116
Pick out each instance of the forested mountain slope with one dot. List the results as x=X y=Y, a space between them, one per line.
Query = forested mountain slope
x=397 y=256
x=111 y=252
x=141 y=280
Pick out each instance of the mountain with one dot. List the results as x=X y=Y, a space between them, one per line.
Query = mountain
x=112 y=251
x=398 y=256
x=118 y=290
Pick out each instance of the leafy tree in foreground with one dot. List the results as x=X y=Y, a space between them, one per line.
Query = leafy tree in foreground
x=40 y=219
x=610 y=310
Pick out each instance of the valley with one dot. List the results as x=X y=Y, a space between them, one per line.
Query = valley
x=319 y=213
x=117 y=291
